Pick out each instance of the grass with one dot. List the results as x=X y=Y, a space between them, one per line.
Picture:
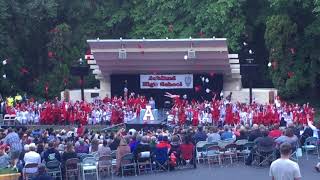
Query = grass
x=7 y=171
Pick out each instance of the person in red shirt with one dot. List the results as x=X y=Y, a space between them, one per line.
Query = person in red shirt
x=80 y=130
x=275 y=132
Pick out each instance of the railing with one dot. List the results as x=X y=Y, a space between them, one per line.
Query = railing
x=115 y=126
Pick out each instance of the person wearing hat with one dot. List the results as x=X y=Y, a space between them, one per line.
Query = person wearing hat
x=4 y=158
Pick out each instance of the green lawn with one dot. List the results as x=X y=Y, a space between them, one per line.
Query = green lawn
x=7 y=171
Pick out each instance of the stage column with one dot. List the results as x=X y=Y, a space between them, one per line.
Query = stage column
x=105 y=86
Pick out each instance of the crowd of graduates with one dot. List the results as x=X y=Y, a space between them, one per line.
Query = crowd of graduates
x=116 y=110
x=223 y=111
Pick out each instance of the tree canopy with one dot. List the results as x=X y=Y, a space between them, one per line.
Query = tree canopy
x=42 y=38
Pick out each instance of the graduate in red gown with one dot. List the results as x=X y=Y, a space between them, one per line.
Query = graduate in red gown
x=195 y=117
x=215 y=113
x=236 y=117
x=114 y=116
x=229 y=116
x=72 y=118
x=275 y=119
x=303 y=118
x=268 y=116
x=255 y=118
x=182 y=116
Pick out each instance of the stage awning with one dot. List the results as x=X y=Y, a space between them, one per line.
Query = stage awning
x=146 y=56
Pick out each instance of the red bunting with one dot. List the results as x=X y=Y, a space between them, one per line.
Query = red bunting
x=24 y=71
x=65 y=81
x=80 y=82
x=170 y=28
x=197 y=88
x=201 y=34
x=50 y=54
x=290 y=74
x=54 y=30
x=274 y=64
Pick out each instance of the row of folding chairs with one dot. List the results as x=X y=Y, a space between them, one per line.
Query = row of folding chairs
x=223 y=150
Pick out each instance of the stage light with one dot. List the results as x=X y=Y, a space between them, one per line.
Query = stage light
x=122 y=54
x=191 y=54
x=269 y=64
x=185 y=57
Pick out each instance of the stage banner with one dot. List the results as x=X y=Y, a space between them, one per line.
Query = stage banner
x=166 y=81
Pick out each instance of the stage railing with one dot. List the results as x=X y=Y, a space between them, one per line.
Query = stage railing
x=117 y=126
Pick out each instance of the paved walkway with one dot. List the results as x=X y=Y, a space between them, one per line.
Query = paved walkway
x=229 y=172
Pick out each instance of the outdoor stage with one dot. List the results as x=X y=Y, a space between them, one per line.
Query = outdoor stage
x=160 y=120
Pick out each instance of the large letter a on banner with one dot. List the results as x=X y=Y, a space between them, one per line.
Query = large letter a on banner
x=148 y=116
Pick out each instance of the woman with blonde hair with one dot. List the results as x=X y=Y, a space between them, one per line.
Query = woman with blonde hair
x=122 y=150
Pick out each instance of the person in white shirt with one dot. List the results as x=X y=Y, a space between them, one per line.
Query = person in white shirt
x=32 y=157
x=314 y=128
x=284 y=168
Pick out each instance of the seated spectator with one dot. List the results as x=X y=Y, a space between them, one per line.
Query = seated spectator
x=94 y=145
x=4 y=158
x=143 y=146
x=163 y=143
x=104 y=149
x=83 y=147
x=264 y=143
x=69 y=153
x=288 y=137
x=187 y=150
x=243 y=134
x=122 y=150
x=200 y=135
x=32 y=157
x=51 y=154
x=42 y=173
x=213 y=135
x=275 y=132
x=133 y=143
x=227 y=134
x=255 y=133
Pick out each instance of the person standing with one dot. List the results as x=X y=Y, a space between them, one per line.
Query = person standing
x=13 y=140
x=284 y=168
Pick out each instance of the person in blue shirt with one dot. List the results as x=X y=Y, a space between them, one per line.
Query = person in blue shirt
x=227 y=134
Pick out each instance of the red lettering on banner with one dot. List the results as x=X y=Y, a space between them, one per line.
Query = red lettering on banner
x=149 y=84
x=162 y=78
x=169 y=84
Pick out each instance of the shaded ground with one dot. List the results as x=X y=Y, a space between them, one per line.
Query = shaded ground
x=228 y=172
